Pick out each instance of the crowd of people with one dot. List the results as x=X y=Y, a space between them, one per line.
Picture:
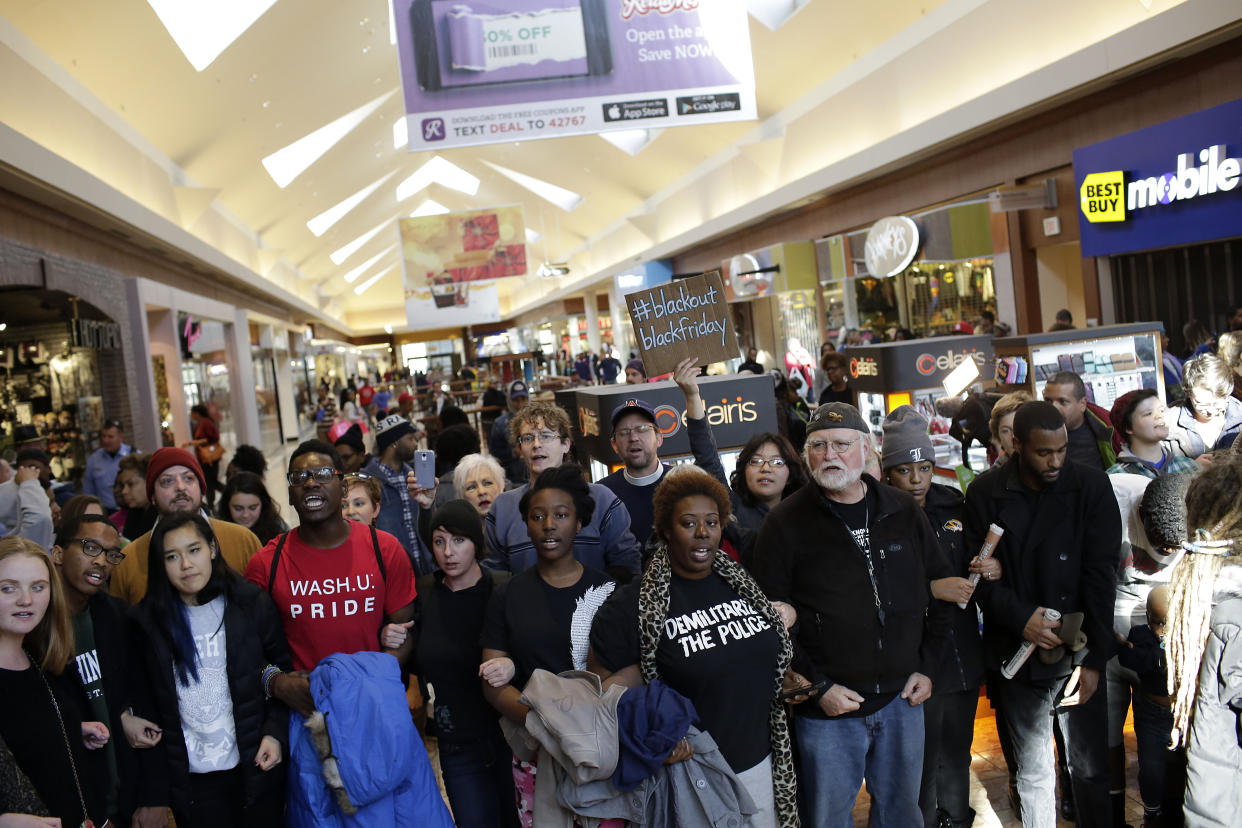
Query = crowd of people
x=669 y=645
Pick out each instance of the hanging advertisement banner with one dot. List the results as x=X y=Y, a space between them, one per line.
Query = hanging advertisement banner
x=469 y=246
x=475 y=74
x=454 y=305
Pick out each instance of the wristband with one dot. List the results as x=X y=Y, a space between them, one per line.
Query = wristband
x=269 y=672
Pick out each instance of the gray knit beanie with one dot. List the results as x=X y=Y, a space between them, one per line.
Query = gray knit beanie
x=905 y=438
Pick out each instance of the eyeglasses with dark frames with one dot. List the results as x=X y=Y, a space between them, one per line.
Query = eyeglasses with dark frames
x=323 y=474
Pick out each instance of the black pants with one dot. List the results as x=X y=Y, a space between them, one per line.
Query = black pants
x=949 y=725
x=219 y=799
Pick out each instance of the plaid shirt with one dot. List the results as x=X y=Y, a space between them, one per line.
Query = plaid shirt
x=398 y=514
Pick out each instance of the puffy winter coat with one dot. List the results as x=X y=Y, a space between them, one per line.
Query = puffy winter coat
x=376 y=760
x=1214 y=749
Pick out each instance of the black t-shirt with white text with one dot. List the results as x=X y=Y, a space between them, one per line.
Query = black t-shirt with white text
x=715 y=650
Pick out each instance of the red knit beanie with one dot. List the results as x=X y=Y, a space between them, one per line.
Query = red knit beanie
x=167 y=457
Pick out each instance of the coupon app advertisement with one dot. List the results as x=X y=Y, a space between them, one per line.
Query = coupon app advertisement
x=483 y=74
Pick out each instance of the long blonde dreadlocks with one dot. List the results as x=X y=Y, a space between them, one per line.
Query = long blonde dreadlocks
x=1214 y=521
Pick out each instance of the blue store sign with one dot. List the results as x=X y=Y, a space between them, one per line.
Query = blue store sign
x=1175 y=183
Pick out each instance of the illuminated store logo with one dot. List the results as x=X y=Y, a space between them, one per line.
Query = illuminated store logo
x=864 y=367
x=1101 y=193
x=928 y=364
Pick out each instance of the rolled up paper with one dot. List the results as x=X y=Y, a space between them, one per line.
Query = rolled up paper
x=1014 y=664
x=985 y=552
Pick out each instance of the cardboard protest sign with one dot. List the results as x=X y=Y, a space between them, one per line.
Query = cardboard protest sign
x=688 y=317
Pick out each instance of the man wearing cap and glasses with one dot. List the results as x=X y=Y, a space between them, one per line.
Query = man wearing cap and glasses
x=101 y=466
x=396 y=440
x=86 y=551
x=855 y=558
x=636 y=440
x=175 y=483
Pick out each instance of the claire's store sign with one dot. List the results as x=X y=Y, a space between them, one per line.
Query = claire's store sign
x=1174 y=183
x=914 y=364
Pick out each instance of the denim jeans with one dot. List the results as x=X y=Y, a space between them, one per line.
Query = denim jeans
x=1027 y=707
x=885 y=749
x=1152 y=726
x=949 y=722
x=478 y=778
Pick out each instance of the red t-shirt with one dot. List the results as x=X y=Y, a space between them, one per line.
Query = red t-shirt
x=334 y=600
x=365 y=394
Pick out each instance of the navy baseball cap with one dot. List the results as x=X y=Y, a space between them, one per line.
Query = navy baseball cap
x=630 y=406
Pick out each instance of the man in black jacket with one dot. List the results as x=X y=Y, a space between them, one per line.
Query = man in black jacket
x=1060 y=550
x=855 y=559
x=87 y=548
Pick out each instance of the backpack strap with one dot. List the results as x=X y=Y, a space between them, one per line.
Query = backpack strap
x=379 y=558
x=271 y=577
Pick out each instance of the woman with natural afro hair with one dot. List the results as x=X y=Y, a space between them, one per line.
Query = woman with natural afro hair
x=699 y=623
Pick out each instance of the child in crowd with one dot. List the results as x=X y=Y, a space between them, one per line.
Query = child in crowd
x=1144 y=653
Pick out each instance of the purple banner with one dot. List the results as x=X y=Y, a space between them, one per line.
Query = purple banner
x=476 y=73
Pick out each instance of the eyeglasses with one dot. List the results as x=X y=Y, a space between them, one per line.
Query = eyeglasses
x=640 y=430
x=360 y=475
x=92 y=549
x=324 y=474
x=838 y=446
x=542 y=437
x=758 y=462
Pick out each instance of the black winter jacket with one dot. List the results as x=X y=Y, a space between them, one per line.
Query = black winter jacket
x=254 y=637
x=1060 y=550
x=112 y=645
x=806 y=557
x=961 y=667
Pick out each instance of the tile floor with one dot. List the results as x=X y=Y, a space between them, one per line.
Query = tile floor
x=989 y=779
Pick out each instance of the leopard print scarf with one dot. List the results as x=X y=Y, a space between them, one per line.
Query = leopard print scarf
x=653 y=598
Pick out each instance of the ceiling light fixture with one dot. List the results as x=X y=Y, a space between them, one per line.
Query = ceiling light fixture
x=202 y=31
x=288 y=163
x=631 y=141
x=430 y=207
x=388 y=329
x=438 y=171
x=369 y=283
x=567 y=200
x=339 y=256
x=322 y=222
x=532 y=236
x=353 y=275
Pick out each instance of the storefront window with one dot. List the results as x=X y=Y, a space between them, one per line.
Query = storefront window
x=263 y=360
x=941 y=294
x=205 y=378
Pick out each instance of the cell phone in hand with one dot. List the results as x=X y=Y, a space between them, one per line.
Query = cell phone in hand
x=808 y=690
x=425 y=469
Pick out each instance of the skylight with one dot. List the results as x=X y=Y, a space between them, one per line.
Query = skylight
x=630 y=141
x=350 y=249
x=288 y=163
x=438 y=171
x=202 y=31
x=322 y=222
x=369 y=283
x=400 y=133
x=430 y=207
x=567 y=200
x=352 y=276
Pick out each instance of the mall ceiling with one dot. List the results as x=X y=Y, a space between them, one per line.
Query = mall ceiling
x=305 y=63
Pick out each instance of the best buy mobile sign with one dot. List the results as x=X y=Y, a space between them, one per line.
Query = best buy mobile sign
x=1171 y=184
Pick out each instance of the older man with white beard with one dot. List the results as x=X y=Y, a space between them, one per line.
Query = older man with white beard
x=856 y=558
